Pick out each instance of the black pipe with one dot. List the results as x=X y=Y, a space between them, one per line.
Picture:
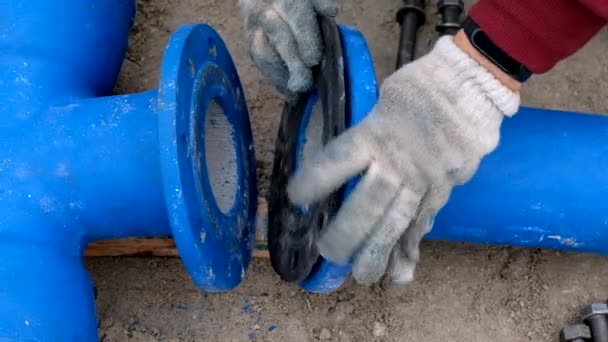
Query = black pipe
x=410 y=17
x=449 y=16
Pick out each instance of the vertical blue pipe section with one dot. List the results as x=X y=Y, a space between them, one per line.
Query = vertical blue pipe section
x=46 y=294
x=62 y=156
x=64 y=47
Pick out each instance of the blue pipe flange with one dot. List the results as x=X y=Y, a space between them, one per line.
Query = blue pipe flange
x=207 y=158
x=344 y=93
x=78 y=165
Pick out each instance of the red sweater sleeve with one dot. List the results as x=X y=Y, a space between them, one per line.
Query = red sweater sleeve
x=540 y=33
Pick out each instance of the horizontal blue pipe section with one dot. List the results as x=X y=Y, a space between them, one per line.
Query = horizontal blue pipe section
x=86 y=170
x=115 y=166
x=544 y=187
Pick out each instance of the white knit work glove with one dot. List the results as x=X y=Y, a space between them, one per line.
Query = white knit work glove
x=283 y=39
x=436 y=118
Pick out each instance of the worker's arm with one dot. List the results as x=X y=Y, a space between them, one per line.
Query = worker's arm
x=435 y=120
x=540 y=33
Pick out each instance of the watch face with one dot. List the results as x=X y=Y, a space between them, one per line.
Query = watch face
x=484 y=45
x=502 y=60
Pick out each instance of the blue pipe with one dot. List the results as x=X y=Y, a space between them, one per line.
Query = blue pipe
x=545 y=186
x=78 y=165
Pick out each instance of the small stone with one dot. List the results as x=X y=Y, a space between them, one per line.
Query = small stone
x=256 y=327
x=344 y=337
x=155 y=332
x=379 y=329
x=325 y=334
x=347 y=307
x=108 y=323
x=342 y=310
x=522 y=304
x=545 y=287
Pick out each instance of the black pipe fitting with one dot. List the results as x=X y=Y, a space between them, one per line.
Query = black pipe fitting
x=292 y=231
x=410 y=18
x=596 y=317
x=449 y=16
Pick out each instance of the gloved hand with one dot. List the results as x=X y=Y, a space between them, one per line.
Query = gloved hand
x=436 y=118
x=283 y=39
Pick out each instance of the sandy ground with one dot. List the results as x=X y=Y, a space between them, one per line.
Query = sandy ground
x=462 y=292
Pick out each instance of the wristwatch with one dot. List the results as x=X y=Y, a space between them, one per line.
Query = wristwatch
x=482 y=43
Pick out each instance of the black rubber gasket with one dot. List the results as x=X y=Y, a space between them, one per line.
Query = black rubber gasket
x=292 y=233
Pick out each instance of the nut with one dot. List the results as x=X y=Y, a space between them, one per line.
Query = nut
x=457 y=3
x=573 y=332
x=594 y=309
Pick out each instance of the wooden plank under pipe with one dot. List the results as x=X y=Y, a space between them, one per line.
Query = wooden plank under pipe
x=166 y=247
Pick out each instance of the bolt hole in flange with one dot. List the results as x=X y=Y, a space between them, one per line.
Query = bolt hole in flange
x=310 y=136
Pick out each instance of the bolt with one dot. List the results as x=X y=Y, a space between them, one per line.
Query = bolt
x=595 y=315
x=410 y=18
x=449 y=16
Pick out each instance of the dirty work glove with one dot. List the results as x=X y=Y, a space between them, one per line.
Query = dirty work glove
x=283 y=39
x=436 y=118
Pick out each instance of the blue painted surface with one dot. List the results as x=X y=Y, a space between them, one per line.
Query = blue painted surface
x=215 y=247
x=78 y=165
x=361 y=95
x=545 y=186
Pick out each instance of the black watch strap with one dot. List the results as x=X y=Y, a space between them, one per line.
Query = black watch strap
x=482 y=43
